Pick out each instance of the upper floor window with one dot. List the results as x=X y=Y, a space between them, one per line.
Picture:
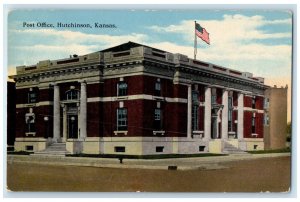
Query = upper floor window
x=195 y=96
x=266 y=103
x=121 y=119
x=122 y=88
x=253 y=102
x=266 y=119
x=213 y=99
x=72 y=94
x=253 y=125
x=158 y=119
x=32 y=96
x=158 y=88
x=195 y=120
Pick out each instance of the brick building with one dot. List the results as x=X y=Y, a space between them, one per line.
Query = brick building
x=135 y=99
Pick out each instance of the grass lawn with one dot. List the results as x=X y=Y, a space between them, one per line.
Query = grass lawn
x=158 y=156
x=285 y=150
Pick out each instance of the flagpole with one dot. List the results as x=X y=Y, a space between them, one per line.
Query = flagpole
x=195 y=42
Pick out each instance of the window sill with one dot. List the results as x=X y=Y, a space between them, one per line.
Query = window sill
x=117 y=132
x=254 y=135
x=158 y=97
x=198 y=134
x=122 y=97
x=162 y=132
x=30 y=134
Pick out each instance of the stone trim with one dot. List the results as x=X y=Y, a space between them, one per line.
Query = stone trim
x=134 y=97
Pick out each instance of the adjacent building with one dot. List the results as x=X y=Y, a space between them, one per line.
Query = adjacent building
x=275 y=120
x=135 y=99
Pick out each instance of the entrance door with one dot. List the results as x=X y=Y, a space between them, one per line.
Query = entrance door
x=72 y=126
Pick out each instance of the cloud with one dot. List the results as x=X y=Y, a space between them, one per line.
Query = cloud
x=70 y=37
x=237 y=41
x=45 y=44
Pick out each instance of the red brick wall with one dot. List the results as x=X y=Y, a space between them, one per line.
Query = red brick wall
x=247 y=101
x=180 y=91
x=247 y=124
x=46 y=94
x=21 y=95
x=259 y=102
x=94 y=90
x=94 y=119
x=235 y=98
x=201 y=118
x=40 y=125
x=259 y=125
x=20 y=121
x=201 y=89
x=134 y=117
x=219 y=95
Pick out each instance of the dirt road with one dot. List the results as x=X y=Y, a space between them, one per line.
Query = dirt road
x=268 y=174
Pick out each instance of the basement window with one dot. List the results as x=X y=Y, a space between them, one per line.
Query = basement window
x=201 y=148
x=29 y=148
x=119 y=149
x=160 y=149
x=255 y=147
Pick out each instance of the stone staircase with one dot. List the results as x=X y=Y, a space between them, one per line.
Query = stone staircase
x=55 y=149
x=231 y=149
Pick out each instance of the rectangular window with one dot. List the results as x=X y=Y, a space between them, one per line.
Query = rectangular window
x=195 y=96
x=253 y=103
x=266 y=103
x=158 y=88
x=266 y=119
x=201 y=148
x=213 y=99
x=29 y=148
x=195 y=118
x=253 y=125
x=158 y=119
x=32 y=97
x=121 y=119
x=159 y=149
x=119 y=149
x=230 y=110
x=30 y=122
x=122 y=88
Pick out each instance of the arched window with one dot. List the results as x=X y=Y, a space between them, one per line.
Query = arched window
x=72 y=94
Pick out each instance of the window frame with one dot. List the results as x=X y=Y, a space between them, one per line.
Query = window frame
x=230 y=113
x=158 y=119
x=32 y=100
x=77 y=97
x=195 y=118
x=122 y=119
x=122 y=91
x=253 y=128
x=157 y=88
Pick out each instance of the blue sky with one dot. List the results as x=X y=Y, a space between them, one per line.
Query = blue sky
x=257 y=41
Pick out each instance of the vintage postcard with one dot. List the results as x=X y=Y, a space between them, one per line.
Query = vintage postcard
x=135 y=100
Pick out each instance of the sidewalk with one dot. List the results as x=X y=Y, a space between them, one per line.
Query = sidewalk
x=208 y=163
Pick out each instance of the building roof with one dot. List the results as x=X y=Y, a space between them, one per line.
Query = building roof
x=127 y=46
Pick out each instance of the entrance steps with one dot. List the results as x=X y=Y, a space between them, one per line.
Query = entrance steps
x=55 y=149
x=232 y=149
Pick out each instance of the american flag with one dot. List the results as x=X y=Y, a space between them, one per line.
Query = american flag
x=202 y=33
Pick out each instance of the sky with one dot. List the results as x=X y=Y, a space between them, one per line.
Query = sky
x=256 y=41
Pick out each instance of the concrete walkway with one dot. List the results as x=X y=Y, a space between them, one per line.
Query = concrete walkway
x=209 y=163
